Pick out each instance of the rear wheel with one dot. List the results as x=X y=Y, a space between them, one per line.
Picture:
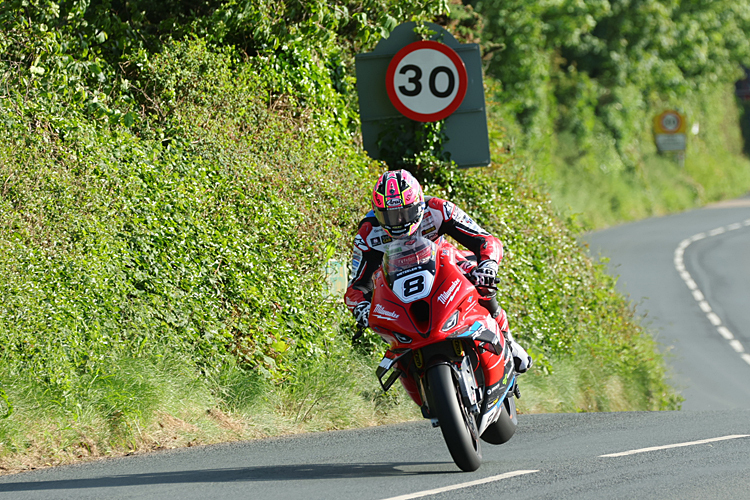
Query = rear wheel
x=456 y=423
x=503 y=429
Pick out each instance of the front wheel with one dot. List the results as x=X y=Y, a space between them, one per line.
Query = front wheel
x=456 y=423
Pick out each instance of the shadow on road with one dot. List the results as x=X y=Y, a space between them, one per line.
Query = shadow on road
x=249 y=474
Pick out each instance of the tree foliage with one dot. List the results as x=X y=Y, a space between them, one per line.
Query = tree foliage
x=604 y=51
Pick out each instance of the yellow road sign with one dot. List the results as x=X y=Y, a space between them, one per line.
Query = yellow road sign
x=670 y=128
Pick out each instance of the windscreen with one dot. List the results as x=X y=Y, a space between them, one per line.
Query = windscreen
x=408 y=253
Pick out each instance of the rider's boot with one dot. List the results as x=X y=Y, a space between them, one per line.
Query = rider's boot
x=521 y=358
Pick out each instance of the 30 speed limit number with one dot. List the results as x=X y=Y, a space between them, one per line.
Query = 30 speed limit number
x=670 y=122
x=426 y=81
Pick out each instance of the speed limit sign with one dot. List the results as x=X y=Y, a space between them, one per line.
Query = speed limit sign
x=670 y=122
x=426 y=81
x=670 y=131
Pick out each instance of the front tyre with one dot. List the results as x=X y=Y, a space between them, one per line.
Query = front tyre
x=456 y=423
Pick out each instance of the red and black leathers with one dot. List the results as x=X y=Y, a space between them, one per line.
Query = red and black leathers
x=440 y=217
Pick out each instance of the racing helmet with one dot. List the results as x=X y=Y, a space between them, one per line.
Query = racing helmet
x=398 y=203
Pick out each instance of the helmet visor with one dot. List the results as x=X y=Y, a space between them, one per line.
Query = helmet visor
x=398 y=217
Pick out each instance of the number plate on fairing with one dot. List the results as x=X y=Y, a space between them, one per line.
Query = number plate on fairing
x=413 y=285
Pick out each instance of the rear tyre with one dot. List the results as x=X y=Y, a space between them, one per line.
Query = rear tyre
x=503 y=429
x=456 y=423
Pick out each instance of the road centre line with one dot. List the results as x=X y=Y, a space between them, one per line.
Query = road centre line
x=679 y=264
x=679 y=445
x=486 y=480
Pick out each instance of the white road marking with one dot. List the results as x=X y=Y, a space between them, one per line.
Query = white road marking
x=737 y=345
x=679 y=445
x=724 y=332
x=486 y=480
x=713 y=318
x=679 y=264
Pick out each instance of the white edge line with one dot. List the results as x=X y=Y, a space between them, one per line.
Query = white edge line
x=462 y=485
x=724 y=332
x=737 y=345
x=713 y=318
x=679 y=264
x=691 y=443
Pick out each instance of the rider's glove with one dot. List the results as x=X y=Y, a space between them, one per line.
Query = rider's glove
x=485 y=273
x=361 y=313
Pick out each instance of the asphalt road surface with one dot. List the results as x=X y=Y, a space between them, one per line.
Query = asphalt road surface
x=556 y=456
x=690 y=274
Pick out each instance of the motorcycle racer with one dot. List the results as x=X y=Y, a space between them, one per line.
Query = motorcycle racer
x=399 y=210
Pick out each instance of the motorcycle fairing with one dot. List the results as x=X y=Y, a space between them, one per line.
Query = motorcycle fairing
x=389 y=361
x=426 y=327
x=487 y=339
x=423 y=318
x=492 y=404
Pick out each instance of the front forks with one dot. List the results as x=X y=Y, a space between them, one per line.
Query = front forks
x=467 y=383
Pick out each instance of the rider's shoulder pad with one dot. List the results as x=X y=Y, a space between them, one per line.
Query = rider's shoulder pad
x=443 y=206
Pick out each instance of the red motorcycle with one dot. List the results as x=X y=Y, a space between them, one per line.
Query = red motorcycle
x=444 y=346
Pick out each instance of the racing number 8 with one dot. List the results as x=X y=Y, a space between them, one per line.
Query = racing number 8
x=417 y=76
x=413 y=286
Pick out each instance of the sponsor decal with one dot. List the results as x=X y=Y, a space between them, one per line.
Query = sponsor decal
x=360 y=243
x=393 y=202
x=505 y=379
x=462 y=218
x=447 y=296
x=356 y=260
x=385 y=239
x=375 y=241
x=382 y=313
x=447 y=210
x=429 y=230
x=350 y=302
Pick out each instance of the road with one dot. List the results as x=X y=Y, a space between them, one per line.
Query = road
x=706 y=335
x=690 y=275
x=392 y=461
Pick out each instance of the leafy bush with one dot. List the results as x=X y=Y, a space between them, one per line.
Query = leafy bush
x=173 y=183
